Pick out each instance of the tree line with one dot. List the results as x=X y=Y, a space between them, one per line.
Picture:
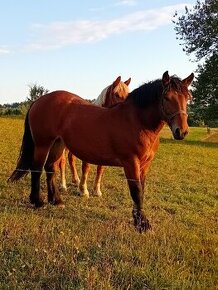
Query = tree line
x=20 y=109
x=35 y=91
x=197 y=32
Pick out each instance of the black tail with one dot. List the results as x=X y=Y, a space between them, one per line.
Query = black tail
x=26 y=153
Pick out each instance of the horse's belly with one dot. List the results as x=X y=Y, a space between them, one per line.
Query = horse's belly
x=98 y=159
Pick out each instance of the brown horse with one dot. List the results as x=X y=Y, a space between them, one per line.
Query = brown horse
x=111 y=95
x=125 y=135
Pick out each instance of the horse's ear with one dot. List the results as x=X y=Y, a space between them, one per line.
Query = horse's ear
x=187 y=81
x=165 y=79
x=127 y=82
x=117 y=81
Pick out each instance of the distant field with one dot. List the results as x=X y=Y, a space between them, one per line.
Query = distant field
x=92 y=244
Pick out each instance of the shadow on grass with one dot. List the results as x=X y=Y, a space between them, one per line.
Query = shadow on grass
x=77 y=207
x=189 y=142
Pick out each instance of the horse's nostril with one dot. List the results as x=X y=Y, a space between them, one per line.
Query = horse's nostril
x=177 y=132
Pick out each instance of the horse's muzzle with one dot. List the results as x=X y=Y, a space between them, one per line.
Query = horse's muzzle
x=178 y=134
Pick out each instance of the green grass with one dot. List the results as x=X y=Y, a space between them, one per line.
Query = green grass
x=92 y=244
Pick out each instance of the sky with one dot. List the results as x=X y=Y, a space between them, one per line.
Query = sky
x=83 y=46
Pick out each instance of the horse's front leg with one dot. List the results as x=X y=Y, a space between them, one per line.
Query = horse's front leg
x=72 y=163
x=132 y=172
x=144 y=167
x=83 y=182
x=97 y=183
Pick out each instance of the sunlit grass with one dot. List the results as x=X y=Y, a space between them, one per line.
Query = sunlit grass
x=92 y=244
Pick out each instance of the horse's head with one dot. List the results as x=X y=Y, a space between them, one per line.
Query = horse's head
x=117 y=92
x=173 y=103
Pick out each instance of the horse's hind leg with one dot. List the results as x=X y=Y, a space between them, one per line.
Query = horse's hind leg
x=52 y=165
x=83 y=183
x=53 y=192
x=40 y=154
x=35 y=188
x=97 y=183
x=72 y=163
x=62 y=166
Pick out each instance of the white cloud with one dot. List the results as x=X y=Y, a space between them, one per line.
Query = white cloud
x=118 y=3
x=60 y=34
x=4 y=50
x=126 y=2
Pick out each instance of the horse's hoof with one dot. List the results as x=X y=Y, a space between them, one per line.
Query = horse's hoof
x=84 y=193
x=140 y=221
x=144 y=226
x=58 y=203
x=61 y=205
x=76 y=183
x=97 y=193
x=32 y=199
x=39 y=203
x=63 y=189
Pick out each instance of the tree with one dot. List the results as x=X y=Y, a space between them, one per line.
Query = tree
x=35 y=92
x=207 y=82
x=205 y=94
x=198 y=28
x=198 y=32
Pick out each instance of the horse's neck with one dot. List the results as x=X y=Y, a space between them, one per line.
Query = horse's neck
x=101 y=98
x=144 y=123
x=109 y=101
x=152 y=131
x=150 y=119
x=151 y=125
x=143 y=120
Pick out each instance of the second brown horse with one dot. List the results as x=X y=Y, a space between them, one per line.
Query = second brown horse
x=115 y=93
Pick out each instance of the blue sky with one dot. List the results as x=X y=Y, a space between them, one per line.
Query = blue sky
x=82 y=46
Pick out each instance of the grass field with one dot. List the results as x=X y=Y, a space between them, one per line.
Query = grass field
x=92 y=244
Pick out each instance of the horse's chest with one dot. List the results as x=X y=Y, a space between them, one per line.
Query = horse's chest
x=147 y=146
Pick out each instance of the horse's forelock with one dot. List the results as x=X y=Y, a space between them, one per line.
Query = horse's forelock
x=122 y=90
x=177 y=84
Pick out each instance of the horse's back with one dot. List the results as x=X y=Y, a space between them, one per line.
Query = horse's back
x=57 y=98
x=46 y=113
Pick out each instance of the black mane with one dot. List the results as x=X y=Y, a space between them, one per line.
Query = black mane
x=146 y=94
x=150 y=93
